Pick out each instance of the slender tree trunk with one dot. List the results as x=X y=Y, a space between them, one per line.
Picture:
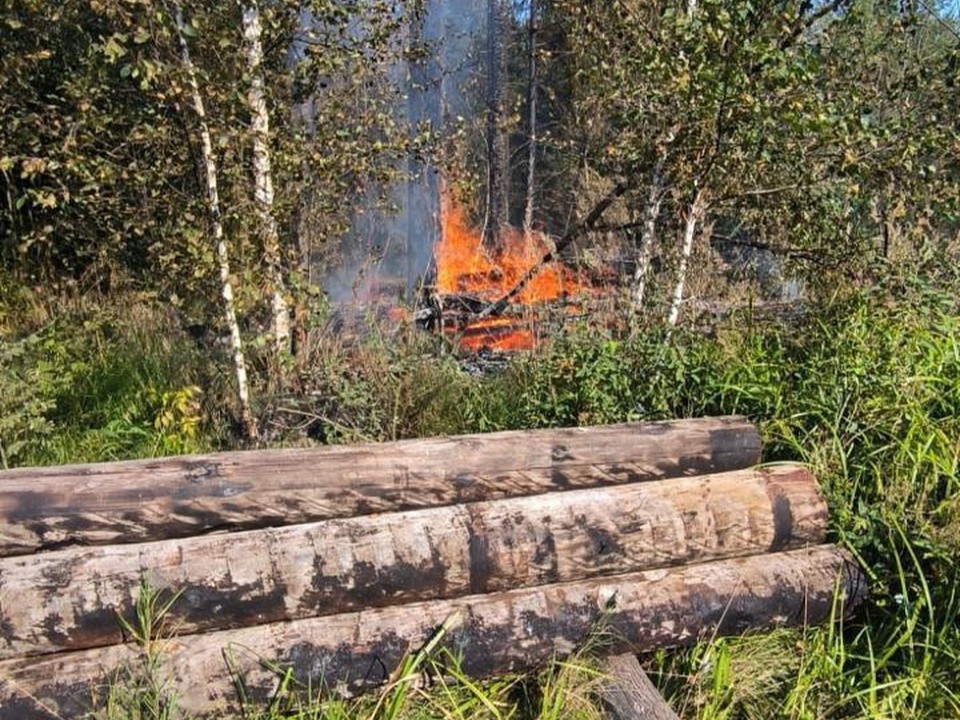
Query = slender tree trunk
x=648 y=234
x=694 y=215
x=497 y=161
x=416 y=114
x=532 y=116
x=213 y=209
x=263 y=178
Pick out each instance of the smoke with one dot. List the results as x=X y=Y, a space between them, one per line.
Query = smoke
x=389 y=248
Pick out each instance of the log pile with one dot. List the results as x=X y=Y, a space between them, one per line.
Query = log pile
x=332 y=564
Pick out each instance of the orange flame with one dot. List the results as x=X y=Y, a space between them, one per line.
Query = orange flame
x=466 y=265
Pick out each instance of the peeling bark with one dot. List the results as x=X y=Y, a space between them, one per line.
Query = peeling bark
x=494 y=634
x=239 y=579
x=143 y=500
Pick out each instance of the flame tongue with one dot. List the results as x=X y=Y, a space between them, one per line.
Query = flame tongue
x=466 y=266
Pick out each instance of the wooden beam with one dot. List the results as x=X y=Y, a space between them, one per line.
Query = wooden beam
x=71 y=598
x=139 y=501
x=496 y=634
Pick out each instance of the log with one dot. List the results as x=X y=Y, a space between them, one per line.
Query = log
x=628 y=693
x=139 y=501
x=496 y=634
x=70 y=599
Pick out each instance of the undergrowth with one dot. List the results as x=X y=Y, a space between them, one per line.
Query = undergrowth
x=864 y=387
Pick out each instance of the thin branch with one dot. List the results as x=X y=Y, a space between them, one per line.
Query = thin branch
x=759 y=192
x=576 y=231
x=810 y=255
x=802 y=24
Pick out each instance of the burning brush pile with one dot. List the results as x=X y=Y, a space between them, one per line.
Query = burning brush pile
x=497 y=299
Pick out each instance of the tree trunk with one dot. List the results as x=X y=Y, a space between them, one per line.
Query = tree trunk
x=263 y=178
x=694 y=215
x=648 y=234
x=496 y=634
x=213 y=209
x=531 y=116
x=70 y=599
x=497 y=152
x=144 y=500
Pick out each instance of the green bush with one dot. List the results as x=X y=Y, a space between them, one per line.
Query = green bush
x=97 y=384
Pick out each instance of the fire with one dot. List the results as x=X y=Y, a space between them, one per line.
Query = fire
x=466 y=266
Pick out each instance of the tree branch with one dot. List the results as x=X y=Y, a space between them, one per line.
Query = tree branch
x=588 y=224
x=804 y=23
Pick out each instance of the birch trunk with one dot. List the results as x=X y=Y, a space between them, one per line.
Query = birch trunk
x=532 y=114
x=648 y=235
x=694 y=215
x=263 y=178
x=213 y=209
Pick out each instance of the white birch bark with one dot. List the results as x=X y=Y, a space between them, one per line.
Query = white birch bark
x=213 y=209
x=694 y=215
x=648 y=234
x=263 y=178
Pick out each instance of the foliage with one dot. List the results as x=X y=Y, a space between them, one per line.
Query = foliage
x=99 y=168
x=98 y=384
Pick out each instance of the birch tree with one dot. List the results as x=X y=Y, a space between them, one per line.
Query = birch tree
x=263 y=178
x=216 y=223
x=694 y=216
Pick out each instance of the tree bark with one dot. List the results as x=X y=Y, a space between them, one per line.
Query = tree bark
x=494 y=634
x=213 y=209
x=263 y=178
x=144 y=500
x=648 y=234
x=628 y=693
x=70 y=599
x=531 y=117
x=497 y=152
x=694 y=215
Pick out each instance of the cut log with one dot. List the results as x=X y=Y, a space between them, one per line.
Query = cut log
x=71 y=598
x=138 y=501
x=497 y=634
x=628 y=693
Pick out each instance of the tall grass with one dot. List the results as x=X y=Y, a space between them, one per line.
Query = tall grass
x=85 y=382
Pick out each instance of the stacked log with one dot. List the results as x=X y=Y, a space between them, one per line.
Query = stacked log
x=332 y=564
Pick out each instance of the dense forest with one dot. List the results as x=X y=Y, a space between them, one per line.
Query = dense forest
x=268 y=224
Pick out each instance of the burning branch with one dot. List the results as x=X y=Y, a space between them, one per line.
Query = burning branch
x=589 y=223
